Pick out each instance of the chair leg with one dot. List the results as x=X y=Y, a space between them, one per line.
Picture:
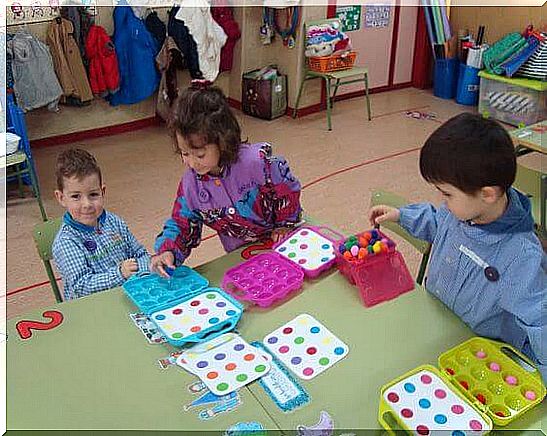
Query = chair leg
x=19 y=180
x=53 y=282
x=423 y=267
x=295 y=110
x=367 y=97
x=36 y=189
x=336 y=85
x=327 y=89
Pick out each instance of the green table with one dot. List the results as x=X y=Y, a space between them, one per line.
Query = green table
x=96 y=370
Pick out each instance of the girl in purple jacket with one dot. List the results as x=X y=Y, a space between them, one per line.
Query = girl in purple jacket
x=240 y=190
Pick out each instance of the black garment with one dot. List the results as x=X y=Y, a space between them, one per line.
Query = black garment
x=186 y=44
x=82 y=21
x=156 y=27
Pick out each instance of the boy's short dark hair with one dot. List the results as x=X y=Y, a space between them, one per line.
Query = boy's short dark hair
x=203 y=112
x=75 y=162
x=469 y=152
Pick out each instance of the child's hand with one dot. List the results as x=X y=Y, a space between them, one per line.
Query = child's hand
x=128 y=268
x=160 y=261
x=279 y=233
x=380 y=214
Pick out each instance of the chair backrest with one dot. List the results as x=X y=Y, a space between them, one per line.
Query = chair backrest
x=531 y=183
x=44 y=234
x=394 y=200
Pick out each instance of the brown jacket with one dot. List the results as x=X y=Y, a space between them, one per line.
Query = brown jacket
x=67 y=60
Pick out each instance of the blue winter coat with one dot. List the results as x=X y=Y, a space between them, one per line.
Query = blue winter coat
x=512 y=309
x=136 y=49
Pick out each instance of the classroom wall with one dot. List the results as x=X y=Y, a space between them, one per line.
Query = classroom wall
x=498 y=20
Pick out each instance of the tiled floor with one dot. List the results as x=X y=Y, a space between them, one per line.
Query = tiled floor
x=338 y=169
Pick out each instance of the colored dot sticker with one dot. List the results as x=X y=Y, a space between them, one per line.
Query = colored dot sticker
x=283 y=349
x=480 y=354
x=393 y=397
x=458 y=433
x=249 y=357
x=282 y=249
x=324 y=259
x=440 y=393
x=311 y=351
x=239 y=347
x=177 y=335
x=212 y=375
x=303 y=246
x=410 y=388
x=287 y=330
x=195 y=303
x=292 y=255
x=230 y=367
x=202 y=364
x=475 y=425
x=160 y=317
x=221 y=304
x=457 y=409
x=304 y=232
x=220 y=356
x=299 y=340
x=324 y=361
x=213 y=320
x=425 y=379
x=177 y=311
x=272 y=340
x=203 y=311
x=326 y=341
x=325 y=246
x=338 y=351
x=222 y=386
x=424 y=403
x=315 y=330
x=440 y=419
x=307 y=372
x=195 y=329
x=407 y=413
x=422 y=429
x=231 y=312
x=296 y=360
x=211 y=296
x=302 y=261
x=260 y=368
x=241 y=377
x=293 y=241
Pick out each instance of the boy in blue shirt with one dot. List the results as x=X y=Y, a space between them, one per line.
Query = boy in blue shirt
x=486 y=265
x=94 y=249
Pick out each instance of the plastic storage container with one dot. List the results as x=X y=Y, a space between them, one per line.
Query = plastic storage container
x=445 y=79
x=515 y=101
x=381 y=274
x=335 y=62
x=481 y=383
x=467 y=92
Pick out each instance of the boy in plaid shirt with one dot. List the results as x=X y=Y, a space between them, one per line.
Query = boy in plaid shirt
x=94 y=249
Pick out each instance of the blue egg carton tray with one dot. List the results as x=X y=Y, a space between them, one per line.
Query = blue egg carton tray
x=150 y=291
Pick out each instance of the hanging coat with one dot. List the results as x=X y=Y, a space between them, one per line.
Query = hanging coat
x=186 y=44
x=225 y=18
x=136 y=49
x=34 y=81
x=103 y=63
x=82 y=21
x=208 y=35
x=168 y=90
x=67 y=60
x=156 y=27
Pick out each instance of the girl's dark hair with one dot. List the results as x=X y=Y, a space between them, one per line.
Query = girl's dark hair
x=201 y=115
x=469 y=152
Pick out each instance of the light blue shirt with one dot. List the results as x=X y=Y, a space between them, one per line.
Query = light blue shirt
x=513 y=308
x=89 y=258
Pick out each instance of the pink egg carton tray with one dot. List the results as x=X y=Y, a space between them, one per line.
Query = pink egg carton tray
x=263 y=279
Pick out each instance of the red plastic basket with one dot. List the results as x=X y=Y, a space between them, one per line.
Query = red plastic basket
x=336 y=62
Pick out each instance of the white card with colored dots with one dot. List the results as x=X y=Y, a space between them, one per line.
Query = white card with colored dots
x=425 y=404
x=225 y=363
x=306 y=346
x=308 y=249
x=201 y=312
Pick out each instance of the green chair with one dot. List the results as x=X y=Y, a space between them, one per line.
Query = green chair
x=18 y=164
x=424 y=247
x=332 y=79
x=534 y=184
x=44 y=234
